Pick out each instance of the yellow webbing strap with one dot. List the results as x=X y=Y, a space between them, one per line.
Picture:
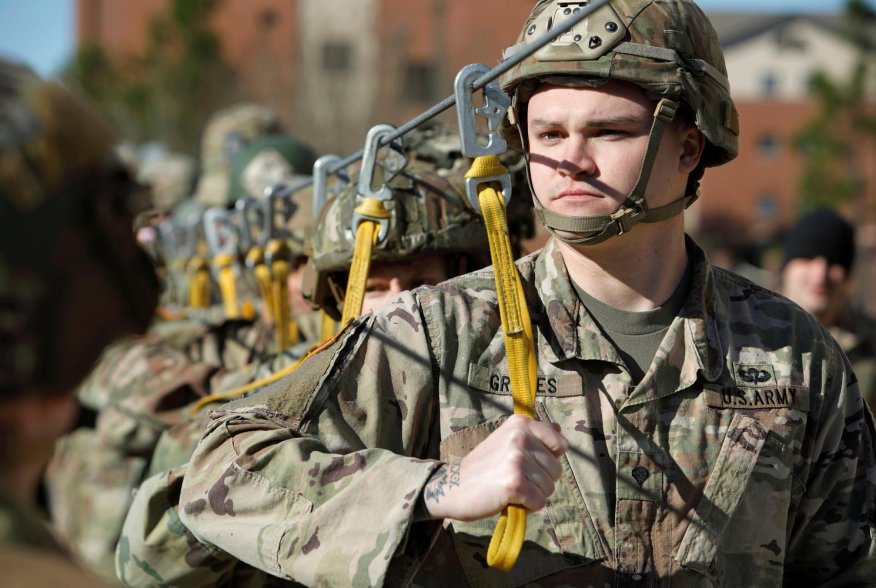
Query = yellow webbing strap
x=366 y=237
x=255 y=259
x=327 y=326
x=278 y=253
x=280 y=296
x=199 y=284
x=519 y=345
x=227 y=286
x=241 y=390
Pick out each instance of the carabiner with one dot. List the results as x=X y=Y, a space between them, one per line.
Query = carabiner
x=221 y=232
x=496 y=103
x=320 y=181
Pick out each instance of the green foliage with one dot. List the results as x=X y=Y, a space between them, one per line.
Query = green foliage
x=833 y=142
x=167 y=93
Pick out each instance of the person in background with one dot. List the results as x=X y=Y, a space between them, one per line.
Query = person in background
x=433 y=235
x=72 y=280
x=144 y=385
x=819 y=256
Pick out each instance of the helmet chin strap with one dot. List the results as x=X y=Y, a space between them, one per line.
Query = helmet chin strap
x=589 y=230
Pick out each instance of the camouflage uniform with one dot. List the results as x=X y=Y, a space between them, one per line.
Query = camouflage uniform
x=429 y=215
x=153 y=545
x=856 y=334
x=142 y=387
x=745 y=457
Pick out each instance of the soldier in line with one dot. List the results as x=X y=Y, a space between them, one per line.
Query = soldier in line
x=142 y=386
x=72 y=279
x=433 y=235
x=819 y=254
x=692 y=428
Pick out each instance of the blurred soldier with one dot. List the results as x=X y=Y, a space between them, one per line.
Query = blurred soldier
x=816 y=274
x=227 y=132
x=170 y=178
x=280 y=160
x=433 y=235
x=692 y=428
x=143 y=386
x=72 y=279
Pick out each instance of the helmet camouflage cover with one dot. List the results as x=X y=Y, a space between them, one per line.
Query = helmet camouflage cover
x=428 y=215
x=267 y=161
x=57 y=171
x=227 y=132
x=278 y=161
x=667 y=47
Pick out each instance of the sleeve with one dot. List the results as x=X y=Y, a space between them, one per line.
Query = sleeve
x=832 y=540
x=155 y=548
x=315 y=479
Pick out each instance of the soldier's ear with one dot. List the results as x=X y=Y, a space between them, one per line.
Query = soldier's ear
x=693 y=143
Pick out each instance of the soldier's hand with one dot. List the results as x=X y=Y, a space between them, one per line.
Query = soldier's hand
x=517 y=464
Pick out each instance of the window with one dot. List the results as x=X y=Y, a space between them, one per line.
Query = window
x=337 y=57
x=420 y=82
x=769 y=84
x=768 y=145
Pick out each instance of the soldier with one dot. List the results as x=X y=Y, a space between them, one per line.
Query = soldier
x=819 y=253
x=145 y=385
x=72 y=279
x=433 y=235
x=693 y=428
x=227 y=132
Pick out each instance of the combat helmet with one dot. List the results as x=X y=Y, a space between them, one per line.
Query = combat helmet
x=66 y=207
x=277 y=162
x=227 y=132
x=668 y=48
x=427 y=215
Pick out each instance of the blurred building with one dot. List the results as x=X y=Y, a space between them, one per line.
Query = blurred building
x=770 y=62
x=334 y=68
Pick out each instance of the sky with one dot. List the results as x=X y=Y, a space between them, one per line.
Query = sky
x=42 y=32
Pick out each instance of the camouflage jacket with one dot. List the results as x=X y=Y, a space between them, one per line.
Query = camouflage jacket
x=138 y=389
x=744 y=457
x=856 y=334
x=154 y=546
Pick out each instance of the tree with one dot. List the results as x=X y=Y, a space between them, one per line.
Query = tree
x=834 y=144
x=166 y=94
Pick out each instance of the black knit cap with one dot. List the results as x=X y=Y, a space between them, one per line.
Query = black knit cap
x=821 y=233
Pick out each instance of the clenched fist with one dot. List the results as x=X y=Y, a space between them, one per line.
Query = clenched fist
x=517 y=464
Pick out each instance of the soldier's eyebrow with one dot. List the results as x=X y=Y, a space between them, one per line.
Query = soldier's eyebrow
x=614 y=121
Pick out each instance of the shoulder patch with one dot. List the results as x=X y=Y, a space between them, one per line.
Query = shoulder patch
x=292 y=396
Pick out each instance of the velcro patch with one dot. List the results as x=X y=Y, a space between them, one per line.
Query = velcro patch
x=496 y=382
x=777 y=396
x=751 y=375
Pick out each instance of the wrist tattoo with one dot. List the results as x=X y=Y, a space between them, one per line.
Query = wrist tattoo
x=444 y=478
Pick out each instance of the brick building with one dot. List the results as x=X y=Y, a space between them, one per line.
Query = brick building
x=334 y=68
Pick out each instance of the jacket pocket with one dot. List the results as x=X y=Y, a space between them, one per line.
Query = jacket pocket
x=558 y=537
x=736 y=536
